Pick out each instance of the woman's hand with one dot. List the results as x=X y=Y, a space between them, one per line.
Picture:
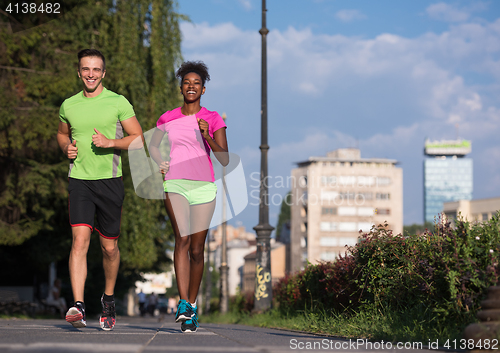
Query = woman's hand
x=164 y=167
x=203 y=125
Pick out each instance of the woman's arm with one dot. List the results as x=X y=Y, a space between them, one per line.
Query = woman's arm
x=154 y=150
x=218 y=144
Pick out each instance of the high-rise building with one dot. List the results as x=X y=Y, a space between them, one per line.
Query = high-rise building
x=447 y=175
x=337 y=196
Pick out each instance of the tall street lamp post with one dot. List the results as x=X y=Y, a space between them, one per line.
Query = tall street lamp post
x=263 y=285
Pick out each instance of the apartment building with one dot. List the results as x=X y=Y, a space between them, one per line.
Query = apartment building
x=337 y=196
x=472 y=210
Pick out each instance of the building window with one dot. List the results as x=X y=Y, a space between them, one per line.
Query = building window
x=328 y=256
x=485 y=216
x=348 y=241
x=329 y=180
x=347 y=227
x=383 y=181
x=346 y=211
x=328 y=241
x=303 y=242
x=385 y=211
x=364 y=196
x=328 y=226
x=365 y=226
x=366 y=181
x=329 y=210
x=347 y=180
x=366 y=211
x=383 y=196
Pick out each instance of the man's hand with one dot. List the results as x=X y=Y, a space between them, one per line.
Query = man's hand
x=99 y=140
x=71 y=150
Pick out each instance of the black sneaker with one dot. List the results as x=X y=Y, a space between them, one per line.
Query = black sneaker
x=108 y=316
x=184 y=311
x=76 y=315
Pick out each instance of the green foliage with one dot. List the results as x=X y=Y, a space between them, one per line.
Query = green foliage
x=285 y=214
x=212 y=280
x=328 y=285
x=447 y=272
x=418 y=229
x=141 y=42
x=370 y=322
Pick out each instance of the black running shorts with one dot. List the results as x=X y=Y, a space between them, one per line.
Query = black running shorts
x=102 y=199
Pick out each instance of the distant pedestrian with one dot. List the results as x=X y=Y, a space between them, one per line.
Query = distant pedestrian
x=90 y=134
x=142 y=302
x=189 y=183
x=54 y=298
x=152 y=302
x=172 y=304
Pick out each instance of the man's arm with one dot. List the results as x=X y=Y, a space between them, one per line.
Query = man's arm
x=133 y=130
x=64 y=140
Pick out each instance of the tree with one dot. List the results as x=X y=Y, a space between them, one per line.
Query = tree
x=285 y=214
x=141 y=42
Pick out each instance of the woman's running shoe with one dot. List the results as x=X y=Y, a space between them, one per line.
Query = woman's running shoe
x=184 y=311
x=191 y=325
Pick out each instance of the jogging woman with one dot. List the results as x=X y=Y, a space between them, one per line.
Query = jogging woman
x=189 y=183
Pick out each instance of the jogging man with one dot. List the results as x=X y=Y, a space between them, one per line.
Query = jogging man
x=91 y=135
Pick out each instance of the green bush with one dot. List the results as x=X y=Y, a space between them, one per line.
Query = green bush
x=446 y=270
x=328 y=285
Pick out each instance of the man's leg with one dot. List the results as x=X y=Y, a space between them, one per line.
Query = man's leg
x=78 y=274
x=110 y=263
x=78 y=261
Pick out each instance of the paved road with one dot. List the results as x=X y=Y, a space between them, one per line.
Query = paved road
x=148 y=335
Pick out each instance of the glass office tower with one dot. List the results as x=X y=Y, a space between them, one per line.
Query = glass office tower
x=447 y=175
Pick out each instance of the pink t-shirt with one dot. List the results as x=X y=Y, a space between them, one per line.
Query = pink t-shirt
x=189 y=151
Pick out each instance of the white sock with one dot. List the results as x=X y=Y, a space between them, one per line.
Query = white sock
x=193 y=305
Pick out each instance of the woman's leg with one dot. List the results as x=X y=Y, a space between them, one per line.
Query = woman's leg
x=177 y=208
x=200 y=215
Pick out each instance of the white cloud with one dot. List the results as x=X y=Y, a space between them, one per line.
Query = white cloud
x=247 y=4
x=349 y=15
x=446 y=12
x=388 y=92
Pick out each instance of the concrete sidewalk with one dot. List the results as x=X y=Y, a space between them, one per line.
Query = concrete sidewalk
x=144 y=335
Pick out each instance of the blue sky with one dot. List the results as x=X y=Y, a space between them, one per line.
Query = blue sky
x=379 y=75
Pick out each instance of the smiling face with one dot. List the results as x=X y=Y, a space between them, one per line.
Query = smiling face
x=192 y=87
x=91 y=71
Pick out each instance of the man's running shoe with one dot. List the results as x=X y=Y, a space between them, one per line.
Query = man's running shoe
x=76 y=315
x=107 y=317
x=190 y=325
x=184 y=311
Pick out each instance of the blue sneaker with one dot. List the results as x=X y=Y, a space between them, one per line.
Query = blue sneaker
x=184 y=311
x=190 y=325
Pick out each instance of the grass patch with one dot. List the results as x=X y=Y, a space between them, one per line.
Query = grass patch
x=369 y=322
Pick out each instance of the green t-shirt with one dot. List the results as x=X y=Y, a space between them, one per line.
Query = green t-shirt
x=104 y=113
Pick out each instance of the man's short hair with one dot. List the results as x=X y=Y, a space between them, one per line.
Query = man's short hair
x=91 y=52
